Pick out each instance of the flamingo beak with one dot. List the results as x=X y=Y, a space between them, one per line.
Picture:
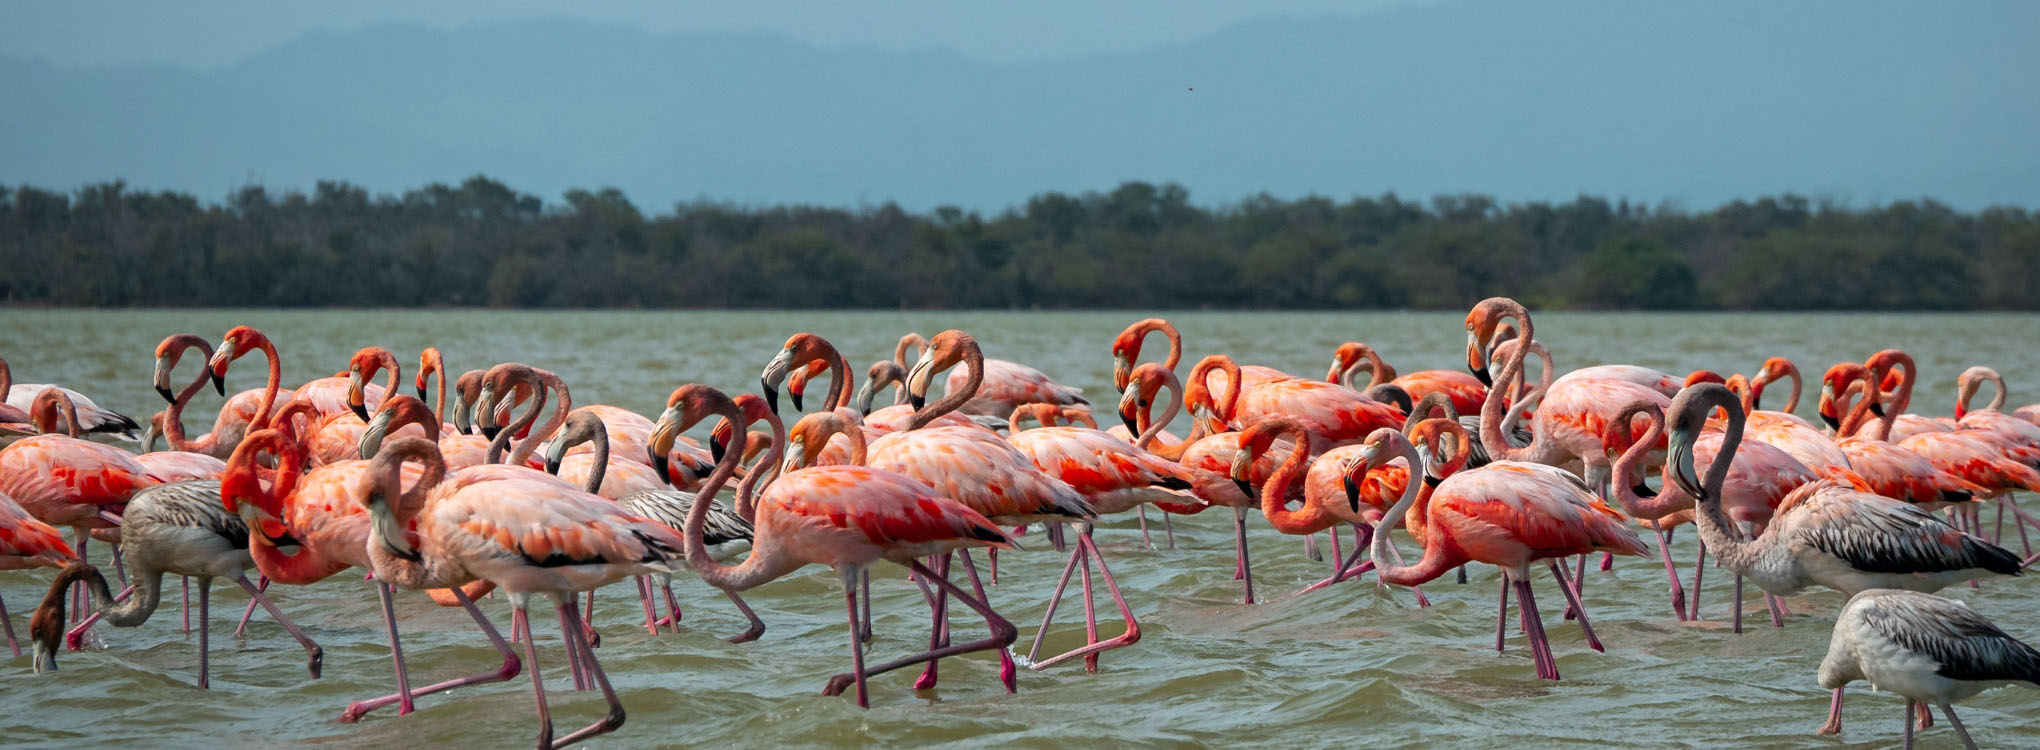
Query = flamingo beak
x=1126 y=412
x=1679 y=454
x=1122 y=371
x=716 y=448
x=774 y=374
x=372 y=435
x=1241 y=462
x=795 y=395
x=1476 y=360
x=1352 y=492
x=220 y=358
x=661 y=442
x=219 y=384
x=918 y=380
x=1757 y=389
x=162 y=380
x=862 y=399
x=419 y=384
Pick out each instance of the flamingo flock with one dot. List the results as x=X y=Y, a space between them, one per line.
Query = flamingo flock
x=1482 y=467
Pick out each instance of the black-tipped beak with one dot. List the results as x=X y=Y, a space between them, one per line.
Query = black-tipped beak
x=716 y=449
x=1352 y=493
x=1876 y=408
x=867 y=411
x=1832 y=423
x=1128 y=421
x=219 y=384
x=659 y=465
x=1245 y=486
x=795 y=396
x=359 y=411
x=421 y=391
x=166 y=394
x=490 y=431
x=917 y=401
x=552 y=466
x=1486 y=379
x=771 y=395
x=1757 y=402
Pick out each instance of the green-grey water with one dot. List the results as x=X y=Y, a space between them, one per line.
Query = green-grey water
x=1354 y=665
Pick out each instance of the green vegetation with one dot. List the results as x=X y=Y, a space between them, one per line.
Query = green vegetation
x=1139 y=246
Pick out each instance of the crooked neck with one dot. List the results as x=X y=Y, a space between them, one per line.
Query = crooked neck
x=974 y=359
x=270 y=387
x=1627 y=473
x=746 y=500
x=1440 y=554
x=1312 y=517
x=756 y=567
x=1492 y=419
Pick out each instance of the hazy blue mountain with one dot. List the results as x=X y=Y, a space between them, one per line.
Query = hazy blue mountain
x=1694 y=103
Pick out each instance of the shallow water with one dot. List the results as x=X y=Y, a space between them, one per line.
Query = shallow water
x=1353 y=664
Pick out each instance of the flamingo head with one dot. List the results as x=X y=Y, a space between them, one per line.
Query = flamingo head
x=238 y=341
x=361 y=368
x=1348 y=360
x=796 y=381
x=943 y=352
x=1834 y=387
x=1126 y=348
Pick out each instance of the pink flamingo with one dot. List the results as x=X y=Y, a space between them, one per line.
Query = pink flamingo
x=459 y=451
x=800 y=351
x=66 y=481
x=1353 y=357
x=1335 y=415
x=1890 y=470
x=845 y=517
x=91 y=417
x=27 y=543
x=1508 y=514
x=613 y=478
x=1988 y=417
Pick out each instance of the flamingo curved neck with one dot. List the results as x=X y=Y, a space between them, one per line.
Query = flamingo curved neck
x=1440 y=553
x=759 y=564
x=974 y=359
x=1312 y=517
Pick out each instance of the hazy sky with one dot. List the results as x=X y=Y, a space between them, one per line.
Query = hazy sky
x=214 y=32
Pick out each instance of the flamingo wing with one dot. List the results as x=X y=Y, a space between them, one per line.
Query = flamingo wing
x=1880 y=535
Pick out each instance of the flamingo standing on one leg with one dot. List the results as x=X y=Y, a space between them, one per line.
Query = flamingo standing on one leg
x=1924 y=648
x=1508 y=514
x=846 y=517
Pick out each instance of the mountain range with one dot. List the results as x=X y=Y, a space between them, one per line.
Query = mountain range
x=1688 y=103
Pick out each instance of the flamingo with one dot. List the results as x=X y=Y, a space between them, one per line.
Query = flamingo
x=882 y=373
x=1989 y=459
x=1352 y=357
x=228 y=428
x=1326 y=482
x=613 y=478
x=93 y=418
x=179 y=528
x=800 y=351
x=27 y=543
x=65 y=481
x=845 y=517
x=313 y=512
x=1335 y=415
x=1508 y=514
x=1924 y=648
x=14 y=420
x=1890 y=470
x=1988 y=417
x=1759 y=478
x=1571 y=415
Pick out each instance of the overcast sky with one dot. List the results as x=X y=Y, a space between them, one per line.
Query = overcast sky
x=214 y=32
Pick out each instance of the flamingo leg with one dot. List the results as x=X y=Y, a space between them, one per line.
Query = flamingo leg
x=1338 y=555
x=1062 y=584
x=1572 y=598
x=751 y=633
x=520 y=621
x=1736 y=618
x=119 y=566
x=315 y=656
x=1003 y=635
x=1417 y=590
x=940 y=610
x=1997 y=533
x=1502 y=616
x=9 y=625
x=1607 y=562
x=1777 y=607
x=241 y=628
x=1141 y=512
x=864 y=596
x=644 y=587
x=204 y=633
x=1169 y=528
x=574 y=666
x=405 y=704
x=1310 y=549
x=184 y=591
x=1130 y=636
x=1579 y=580
x=673 y=604
x=1533 y=628
x=577 y=639
x=849 y=576
x=1009 y=674
x=1834 y=719
x=1909 y=725
x=1699 y=568
x=1926 y=715
x=1672 y=572
x=1462 y=575
x=511 y=665
x=993 y=555
x=1356 y=565
x=74 y=639
x=1960 y=731
x=1090 y=612
x=1055 y=536
x=1240 y=546
x=80 y=539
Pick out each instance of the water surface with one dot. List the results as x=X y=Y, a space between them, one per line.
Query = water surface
x=1352 y=665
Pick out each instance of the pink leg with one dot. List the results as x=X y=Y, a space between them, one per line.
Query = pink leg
x=405 y=704
x=1009 y=675
x=577 y=640
x=1002 y=636
x=74 y=639
x=1777 y=607
x=9 y=625
x=673 y=607
x=1240 y=546
x=993 y=555
x=1310 y=549
x=1338 y=555
x=935 y=629
x=1834 y=720
x=856 y=639
x=519 y=621
x=241 y=628
x=1607 y=561
x=1062 y=584
x=316 y=656
x=644 y=587
x=1356 y=565
x=509 y=670
x=864 y=600
x=1169 y=528
x=1533 y=628
x=751 y=633
x=1502 y=615
x=1141 y=511
x=575 y=667
x=1132 y=634
x=1573 y=599
x=1416 y=590
x=1672 y=572
x=1090 y=611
